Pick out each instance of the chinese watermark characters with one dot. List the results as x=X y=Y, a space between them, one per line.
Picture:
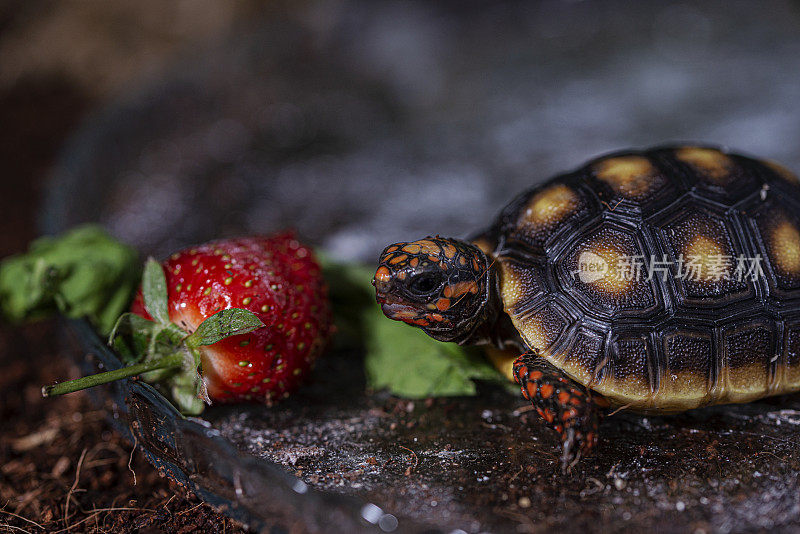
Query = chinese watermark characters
x=706 y=267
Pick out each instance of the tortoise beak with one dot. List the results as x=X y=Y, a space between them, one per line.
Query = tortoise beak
x=382 y=281
x=397 y=311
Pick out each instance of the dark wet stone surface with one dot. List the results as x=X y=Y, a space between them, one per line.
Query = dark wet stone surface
x=485 y=464
x=362 y=124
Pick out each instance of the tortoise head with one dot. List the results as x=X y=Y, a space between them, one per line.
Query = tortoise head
x=440 y=285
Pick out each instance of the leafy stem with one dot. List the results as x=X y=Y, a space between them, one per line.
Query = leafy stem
x=159 y=344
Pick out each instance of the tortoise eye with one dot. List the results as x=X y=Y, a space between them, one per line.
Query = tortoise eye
x=425 y=283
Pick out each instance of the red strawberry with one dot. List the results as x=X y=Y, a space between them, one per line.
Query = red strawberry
x=277 y=279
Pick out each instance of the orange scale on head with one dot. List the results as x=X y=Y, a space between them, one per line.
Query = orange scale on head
x=392 y=248
x=462 y=288
x=412 y=248
x=429 y=247
x=443 y=304
x=414 y=262
x=449 y=251
x=383 y=274
x=398 y=259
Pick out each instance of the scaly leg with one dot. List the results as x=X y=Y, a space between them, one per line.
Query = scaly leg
x=566 y=406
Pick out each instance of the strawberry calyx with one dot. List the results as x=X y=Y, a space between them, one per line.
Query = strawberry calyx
x=161 y=350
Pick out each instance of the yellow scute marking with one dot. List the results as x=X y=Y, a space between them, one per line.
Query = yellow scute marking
x=550 y=205
x=782 y=171
x=627 y=175
x=533 y=331
x=746 y=383
x=707 y=257
x=511 y=287
x=601 y=268
x=713 y=163
x=786 y=247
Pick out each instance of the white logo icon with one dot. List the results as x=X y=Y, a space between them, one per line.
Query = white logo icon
x=591 y=267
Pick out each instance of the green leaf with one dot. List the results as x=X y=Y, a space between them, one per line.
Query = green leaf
x=398 y=357
x=82 y=273
x=224 y=324
x=351 y=294
x=131 y=337
x=184 y=394
x=154 y=291
x=410 y=364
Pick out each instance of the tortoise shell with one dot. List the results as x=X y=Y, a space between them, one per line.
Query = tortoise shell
x=724 y=329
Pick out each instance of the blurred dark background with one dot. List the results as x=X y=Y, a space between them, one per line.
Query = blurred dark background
x=358 y=123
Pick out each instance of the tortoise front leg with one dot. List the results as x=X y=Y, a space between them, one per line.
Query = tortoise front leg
x=566 y=406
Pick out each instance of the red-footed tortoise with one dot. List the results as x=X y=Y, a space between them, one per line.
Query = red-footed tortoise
x=659 y=280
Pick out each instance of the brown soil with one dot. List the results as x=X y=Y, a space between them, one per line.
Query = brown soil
x=62 y=468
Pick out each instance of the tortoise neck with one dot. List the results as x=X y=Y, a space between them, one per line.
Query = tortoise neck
x=486 y=329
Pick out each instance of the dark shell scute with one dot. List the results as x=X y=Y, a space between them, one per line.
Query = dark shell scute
x=617 y=249
x=704 y=254
x=776 y=228
x=645 y=339
x=632 y=364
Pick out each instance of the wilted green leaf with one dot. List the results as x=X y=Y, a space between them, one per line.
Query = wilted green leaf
x=82 y=273
x=183 y=387
x=410 y=364
x=398 y=357
x=224 y=324
x=154 y=291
